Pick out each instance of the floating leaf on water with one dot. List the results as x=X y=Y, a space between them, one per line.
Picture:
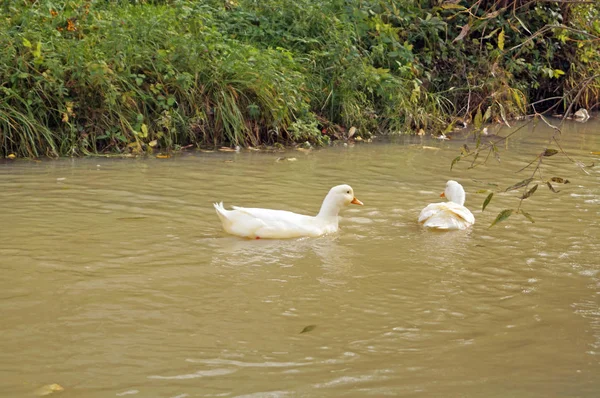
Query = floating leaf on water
x=551 y=187
x=527 y=216
x=454 y=161
x=530 y=192
x=479 y=191
x=48 y=389
x=12 y=156
x=595 y=153
x=487 y=201
x=308 y=328
x=226 y=149
x=519 y=185
x=503 y=215
x=163 y=156
x=560 y=180
x=549 y=152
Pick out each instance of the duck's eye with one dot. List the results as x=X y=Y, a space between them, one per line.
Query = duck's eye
x=348 y=192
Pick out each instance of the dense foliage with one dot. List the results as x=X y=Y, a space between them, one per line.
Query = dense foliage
x=89 y=76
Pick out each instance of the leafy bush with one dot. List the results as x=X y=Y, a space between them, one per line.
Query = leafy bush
x=90 y=76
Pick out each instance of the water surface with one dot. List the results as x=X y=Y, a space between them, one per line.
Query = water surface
x=117 y=279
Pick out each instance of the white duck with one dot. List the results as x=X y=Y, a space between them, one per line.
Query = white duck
x=276 y=224
x=448 y=215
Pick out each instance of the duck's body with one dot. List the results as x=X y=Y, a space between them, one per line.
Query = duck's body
x=257 y=223
x=448 y=215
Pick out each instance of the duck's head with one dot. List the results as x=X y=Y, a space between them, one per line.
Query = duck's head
x=454 y=192
x=338 y=197
x=343 y=195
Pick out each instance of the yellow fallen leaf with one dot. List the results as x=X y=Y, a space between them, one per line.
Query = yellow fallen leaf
x=48 y=389
x=593 y=153
x=153 y=143
x=12 y=156
x=430 y=147
x=162 y=156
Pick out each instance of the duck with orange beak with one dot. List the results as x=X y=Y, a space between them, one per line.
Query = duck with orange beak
x=255 y=223
x=448 y=215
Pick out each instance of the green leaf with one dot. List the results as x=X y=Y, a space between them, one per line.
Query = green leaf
x=519 y=185
x=530 y=192
x=144 y=131
x=452 y=6
x=501 y=40
x=549 y=152
x=503 y=215
x=551 y=187
x=454 y=161
x=478 y=119
x=503 y=114
x=38 y=50
x=487 y=201
x=308 y=328
x=170 y=101
x=527 y=216
x=26 y=43
x=488 y=114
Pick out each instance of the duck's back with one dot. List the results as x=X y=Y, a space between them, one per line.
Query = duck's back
x=446 y=215
x=269 y=224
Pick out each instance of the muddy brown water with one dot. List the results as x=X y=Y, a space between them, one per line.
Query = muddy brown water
x=117 y=279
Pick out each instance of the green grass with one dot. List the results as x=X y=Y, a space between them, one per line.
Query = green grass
x=89 y=76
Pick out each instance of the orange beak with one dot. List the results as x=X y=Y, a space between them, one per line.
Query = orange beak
x=356 y=202
x=443 y=195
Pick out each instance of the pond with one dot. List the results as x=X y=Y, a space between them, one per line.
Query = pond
x=117 y=279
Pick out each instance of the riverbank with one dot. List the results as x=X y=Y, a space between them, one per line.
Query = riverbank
x=133 y=77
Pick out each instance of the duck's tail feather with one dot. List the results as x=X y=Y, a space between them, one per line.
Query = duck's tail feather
x=221 y=212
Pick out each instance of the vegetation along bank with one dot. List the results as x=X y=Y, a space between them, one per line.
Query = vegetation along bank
x=85 y=77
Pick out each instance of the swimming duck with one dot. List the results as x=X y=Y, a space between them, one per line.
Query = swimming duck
x=278 y=224
x=448 y=215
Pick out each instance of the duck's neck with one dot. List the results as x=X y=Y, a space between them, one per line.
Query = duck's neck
x=329 y=209
x=457 y=196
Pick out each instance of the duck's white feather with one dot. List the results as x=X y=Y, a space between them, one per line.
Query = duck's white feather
x=266 y=223
x=280 y=224
x=446 y=215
